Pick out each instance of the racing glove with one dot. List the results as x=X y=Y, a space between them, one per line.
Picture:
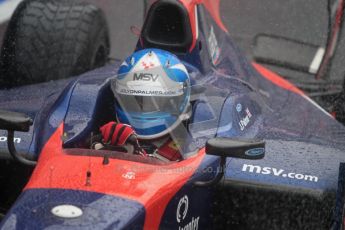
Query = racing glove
x=117 y=134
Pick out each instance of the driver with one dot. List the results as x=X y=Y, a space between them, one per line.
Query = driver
x=152 y=92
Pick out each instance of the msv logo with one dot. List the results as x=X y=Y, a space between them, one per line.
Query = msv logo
x=278 y=173
x=145 y=77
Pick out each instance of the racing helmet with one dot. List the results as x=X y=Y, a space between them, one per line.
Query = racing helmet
x=152 y=92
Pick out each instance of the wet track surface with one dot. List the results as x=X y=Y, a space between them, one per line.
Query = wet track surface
x=305 y=21
x=301 y=20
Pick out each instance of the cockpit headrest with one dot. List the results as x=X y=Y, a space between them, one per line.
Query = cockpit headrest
x=167 y=26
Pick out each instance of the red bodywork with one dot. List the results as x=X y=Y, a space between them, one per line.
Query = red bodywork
x=151 y=185
x=212 y=7
x=276 y=79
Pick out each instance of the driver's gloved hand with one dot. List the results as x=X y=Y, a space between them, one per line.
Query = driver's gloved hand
x=117 y=134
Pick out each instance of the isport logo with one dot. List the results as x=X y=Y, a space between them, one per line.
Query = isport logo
x=278 y=172
x=182 y=205
x=181 y=214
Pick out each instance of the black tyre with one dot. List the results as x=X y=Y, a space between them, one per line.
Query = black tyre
x=53 y=39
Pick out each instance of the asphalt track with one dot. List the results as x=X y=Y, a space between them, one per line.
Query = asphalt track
x=305 y=21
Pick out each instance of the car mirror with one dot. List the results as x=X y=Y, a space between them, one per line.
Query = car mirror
x=14 y=121
x=228 y=147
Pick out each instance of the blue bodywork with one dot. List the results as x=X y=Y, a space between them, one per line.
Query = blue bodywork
x=34 y=211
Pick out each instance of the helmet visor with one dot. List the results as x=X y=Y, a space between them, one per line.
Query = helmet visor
x=151 y=92
x=148 y=104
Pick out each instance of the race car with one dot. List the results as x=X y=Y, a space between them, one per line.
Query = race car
x=260 y=154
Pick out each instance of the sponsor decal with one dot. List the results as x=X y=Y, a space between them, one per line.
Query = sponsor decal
x=245 y=121
x=193 y=225
x=15 y=140
x=182 y=209
x=255 y=152
x=148 y=85
x=149 y=92
x=145 y=77
x=129 y=175
x=278 y=173
x=213 y=47
x=147 y=65
x=181 y=213
x=238 y=107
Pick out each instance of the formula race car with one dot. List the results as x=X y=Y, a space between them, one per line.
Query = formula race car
x=258 y=153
